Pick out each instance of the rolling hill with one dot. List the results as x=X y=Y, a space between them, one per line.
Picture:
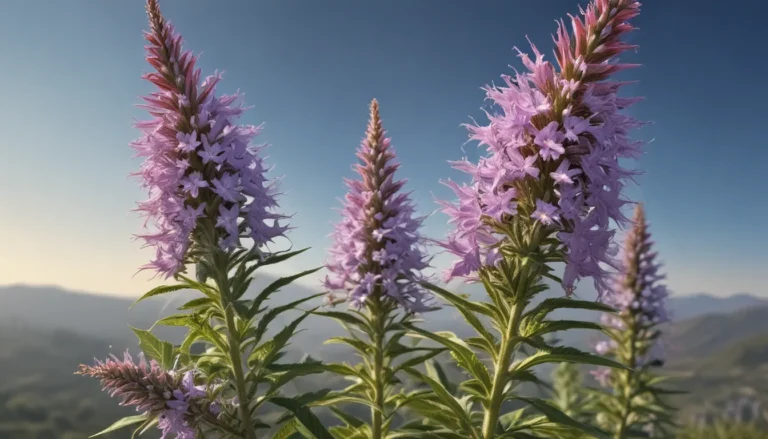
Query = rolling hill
x=720 y=357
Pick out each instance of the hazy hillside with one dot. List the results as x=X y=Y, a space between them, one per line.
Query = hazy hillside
x=109 y=317
x=709 y=333
x=40 y=397
x=46 y=332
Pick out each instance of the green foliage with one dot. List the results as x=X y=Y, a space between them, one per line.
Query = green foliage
x=723 y=430
x=492 y=360
x=236 y=349
x=375 y=335
x=635 y=405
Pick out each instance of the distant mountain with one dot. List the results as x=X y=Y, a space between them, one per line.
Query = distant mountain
x=685 y=307
x=720 y=355
x=41 y=398
x=690 y=339
x=108 y=316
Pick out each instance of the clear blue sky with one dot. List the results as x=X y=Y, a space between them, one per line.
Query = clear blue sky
x=71 y=78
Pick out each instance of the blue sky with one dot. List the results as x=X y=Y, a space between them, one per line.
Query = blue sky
x=72 y=77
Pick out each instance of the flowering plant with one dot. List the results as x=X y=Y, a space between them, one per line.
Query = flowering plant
x=635 y=406
x=208 y=197
x=376 y=263
x=546 y=193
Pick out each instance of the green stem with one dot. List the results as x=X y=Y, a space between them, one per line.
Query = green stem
x=491 y=418
x=233 y=339
x=377 y=411
x=628 y=392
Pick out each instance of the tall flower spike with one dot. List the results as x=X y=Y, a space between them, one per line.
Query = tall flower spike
x=176 y=401
x=638 y=296
x=553 y=152
x=200 y=167
x=634 y=335
x=377 y=243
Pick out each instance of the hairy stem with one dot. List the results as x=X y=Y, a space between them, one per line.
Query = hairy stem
x=628 y=391
x=377 y=411
x=235 y=357
x=501 y=366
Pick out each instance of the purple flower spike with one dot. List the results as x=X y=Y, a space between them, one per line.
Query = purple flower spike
x=637 y=293
x=175 y=400
x=199 y=166
x=377 y=244
x=554 y=131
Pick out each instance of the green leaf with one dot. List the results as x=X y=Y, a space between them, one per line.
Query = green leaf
x=565 y=355
x=358 y=345
x=143 y=428
x=551 y=304
x=286 y=430
x=348 y=419
x=343 y=317
x=267 y=318
x=162 y=289
x=283 y=281
x=304 y=415
x=547 y=327
x=468 y=309
x=154 y=348
x=449 y=400
x=196 y=303
x=279 y=257
x=463 y=353
x=458 y=301
x=436 y=372
x=555 y=415
x=260 y=353
x=419 y=359
x=174 y=320
x=122 y=423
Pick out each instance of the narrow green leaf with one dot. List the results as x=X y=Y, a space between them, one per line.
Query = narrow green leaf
x=143 y=428
x=348 y=419
x=358 y=345
x=122 y=423
x=419 y=359
x=278 y=257
x=548 y=327
x=555 y=415
x=565 y=355
x=283 y=281
x=343 y=317
x=446 y=398
x=464 y=355
x=456 y=300
x=196 y=303
x=436 y=372
x=162 y=289
x=174 y=320
x=551 y=304
x=304 y=415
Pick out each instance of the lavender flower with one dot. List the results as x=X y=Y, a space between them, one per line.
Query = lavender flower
x=201 y=170
x=553 y=152
x=175 y=400
x=377 y=244
x=637 y=295
x=634 y=336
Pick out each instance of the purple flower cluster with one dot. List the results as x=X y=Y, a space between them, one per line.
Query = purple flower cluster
x=174 y=399
x=553 y=151
x=377 y=244
x=639 y=299
x=200 y=167
x=637 y=293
